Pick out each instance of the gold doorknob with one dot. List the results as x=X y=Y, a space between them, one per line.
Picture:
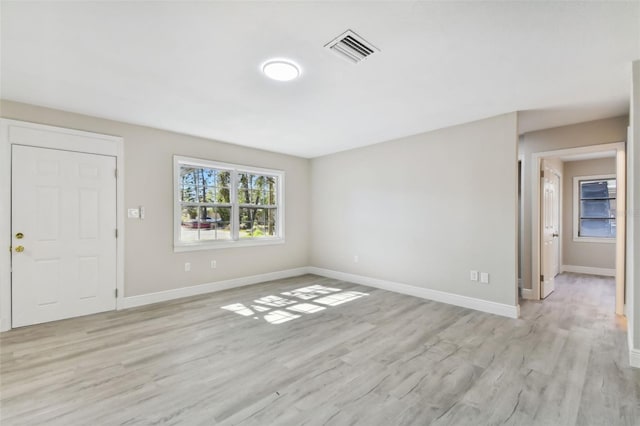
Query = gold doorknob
x=19 y=249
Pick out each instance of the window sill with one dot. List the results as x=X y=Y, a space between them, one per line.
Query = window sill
x=594 y=240
x=226 y=244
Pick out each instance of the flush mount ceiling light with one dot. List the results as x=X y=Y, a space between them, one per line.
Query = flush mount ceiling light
x=281 y=70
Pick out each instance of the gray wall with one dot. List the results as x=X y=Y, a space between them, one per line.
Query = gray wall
x=596 y=132
x=423 y=210
x=596 y=255
x=150 y=263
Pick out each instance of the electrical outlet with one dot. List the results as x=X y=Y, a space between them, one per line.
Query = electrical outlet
x=214 y=264
x=473 y=276
x=484 y=277
x=187 y=267
x=356 y=258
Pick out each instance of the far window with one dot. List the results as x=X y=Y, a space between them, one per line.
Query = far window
x=222 y=205
x=596 y=207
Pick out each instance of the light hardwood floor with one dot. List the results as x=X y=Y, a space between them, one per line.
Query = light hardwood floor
x=379 y=359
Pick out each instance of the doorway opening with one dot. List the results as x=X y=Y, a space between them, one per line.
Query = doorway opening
x=578 y=222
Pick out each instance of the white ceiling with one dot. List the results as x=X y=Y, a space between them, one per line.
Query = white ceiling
x=194 y=67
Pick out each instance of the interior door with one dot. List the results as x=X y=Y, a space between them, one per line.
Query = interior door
x=550 y=215
x=63 y=222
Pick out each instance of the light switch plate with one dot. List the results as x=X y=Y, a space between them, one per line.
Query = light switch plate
x=484 y=277
x=473 y=276
x=133 y=213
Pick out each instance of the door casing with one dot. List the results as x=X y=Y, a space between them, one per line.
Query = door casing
x=14 y=132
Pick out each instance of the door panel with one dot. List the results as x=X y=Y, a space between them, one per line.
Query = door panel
x=550 y=226
x=65 y=205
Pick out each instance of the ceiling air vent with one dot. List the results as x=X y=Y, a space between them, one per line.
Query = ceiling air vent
x=352 y=47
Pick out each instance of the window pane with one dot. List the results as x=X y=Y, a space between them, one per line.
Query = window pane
x=598 y=209
x=244 y=193
x=257 y=222
x=188 y=194
x=189 y=224
x=205 y=183
x=218 y=223
x=223 y=185
x=271 y=194
x=244 y=188
x=598 y=228
x=257 y=189
x=205 y=223
x=255 y=197
x=598 y=189
x=188 y=188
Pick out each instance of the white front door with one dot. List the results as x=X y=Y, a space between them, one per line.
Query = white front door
x=550 y=215
x=63 y=220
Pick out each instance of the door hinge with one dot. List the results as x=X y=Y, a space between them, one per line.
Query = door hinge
x=541 y=278
x=541 y=173
x=116 y=233
x=116 y=293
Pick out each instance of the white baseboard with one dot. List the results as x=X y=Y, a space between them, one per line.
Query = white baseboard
x=178 y=293
x=529 y=294
x=634 y=357
x=589 y=270
x=424 y=293
x=634 y=354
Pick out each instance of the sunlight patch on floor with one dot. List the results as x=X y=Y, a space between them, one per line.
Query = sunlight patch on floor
x=275 y=301
x=322 y=295
x=306 y=293
x=340 y=298
x=278 y=317
x=306 y=308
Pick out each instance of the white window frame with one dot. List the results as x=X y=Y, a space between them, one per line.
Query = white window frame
x=576 y=210
x=181 y=246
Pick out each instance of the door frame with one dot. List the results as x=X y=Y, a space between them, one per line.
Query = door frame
x=536 y=161
x=11 y=132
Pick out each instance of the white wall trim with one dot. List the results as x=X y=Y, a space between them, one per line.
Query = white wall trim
x=178 y=293
x=607 y=272
x=634 y=357
x=424 y=293
x=521 y=260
